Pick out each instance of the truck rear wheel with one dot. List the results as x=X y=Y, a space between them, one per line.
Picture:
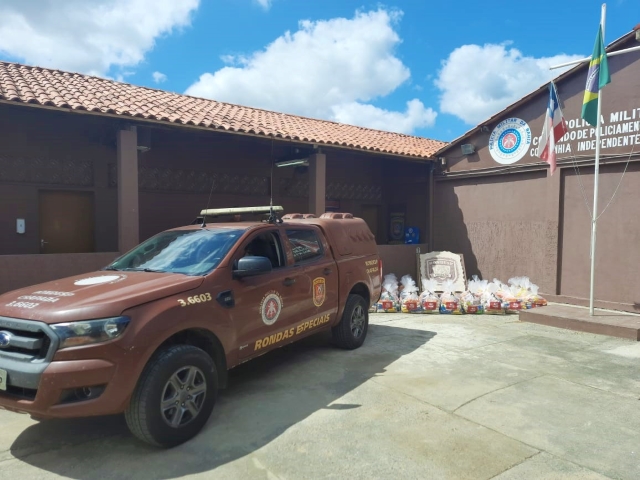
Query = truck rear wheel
x=174 y=396
x=352 y=329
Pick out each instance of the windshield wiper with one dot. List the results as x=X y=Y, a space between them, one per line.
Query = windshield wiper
x=111 y=268
x=152 y=270
x=145 y=270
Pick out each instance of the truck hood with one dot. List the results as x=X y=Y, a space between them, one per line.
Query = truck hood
x=92 y=295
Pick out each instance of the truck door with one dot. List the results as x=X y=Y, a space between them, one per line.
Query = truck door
x=316 y=284
x=264 y=307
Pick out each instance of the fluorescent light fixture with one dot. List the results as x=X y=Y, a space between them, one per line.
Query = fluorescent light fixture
x=292 y=163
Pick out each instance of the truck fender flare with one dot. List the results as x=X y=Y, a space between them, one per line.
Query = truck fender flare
x=358 y=288
x=191 y=335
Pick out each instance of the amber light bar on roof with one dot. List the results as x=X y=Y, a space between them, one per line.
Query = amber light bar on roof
x=238 y=210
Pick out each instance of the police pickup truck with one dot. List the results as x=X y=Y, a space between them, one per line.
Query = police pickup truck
x=153 y=334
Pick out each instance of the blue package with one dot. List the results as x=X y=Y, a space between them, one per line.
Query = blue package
x=411 y=235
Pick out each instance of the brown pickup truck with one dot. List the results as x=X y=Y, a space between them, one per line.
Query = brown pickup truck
x=154 y=334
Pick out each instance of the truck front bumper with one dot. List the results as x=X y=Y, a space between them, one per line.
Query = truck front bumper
x=47 y=383
x=65 y=389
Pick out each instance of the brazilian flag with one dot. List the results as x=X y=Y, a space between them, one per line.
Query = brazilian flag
x=597 y=78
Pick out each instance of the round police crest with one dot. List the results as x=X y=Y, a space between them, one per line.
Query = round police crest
x=510 y=141
x=270 y=307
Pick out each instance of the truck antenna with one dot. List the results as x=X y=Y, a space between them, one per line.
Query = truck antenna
x=204 y=217
x=272 y=215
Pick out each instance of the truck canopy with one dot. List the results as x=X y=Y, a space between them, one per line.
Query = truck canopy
x=349 y=235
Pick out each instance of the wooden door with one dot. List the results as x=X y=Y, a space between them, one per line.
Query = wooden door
x=66 y=222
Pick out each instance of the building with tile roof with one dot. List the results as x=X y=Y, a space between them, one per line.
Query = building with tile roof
x=89 y=167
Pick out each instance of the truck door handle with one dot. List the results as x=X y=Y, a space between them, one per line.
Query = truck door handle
x=289 y=281
x=327 y=271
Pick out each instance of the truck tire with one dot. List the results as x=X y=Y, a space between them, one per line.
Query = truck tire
x=174 y=396
x=352 y=329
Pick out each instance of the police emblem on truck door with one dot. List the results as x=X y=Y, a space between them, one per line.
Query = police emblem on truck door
x=319 y=291
x=270 y=307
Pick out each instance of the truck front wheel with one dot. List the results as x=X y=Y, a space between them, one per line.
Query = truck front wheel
x=352 y=329
x=174 y=396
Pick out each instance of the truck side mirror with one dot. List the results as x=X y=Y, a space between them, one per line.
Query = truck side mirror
x=250 y=266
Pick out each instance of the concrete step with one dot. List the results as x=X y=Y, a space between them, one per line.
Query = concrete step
x=603 y=322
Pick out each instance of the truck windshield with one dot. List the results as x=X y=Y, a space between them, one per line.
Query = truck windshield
x=190 y=252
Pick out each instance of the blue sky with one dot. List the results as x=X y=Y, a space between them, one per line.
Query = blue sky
x=433 y=69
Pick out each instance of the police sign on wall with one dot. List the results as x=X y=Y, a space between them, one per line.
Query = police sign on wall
x=510 y=141
x=441 y=267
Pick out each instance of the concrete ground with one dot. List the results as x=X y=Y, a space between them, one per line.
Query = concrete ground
x=428 y=397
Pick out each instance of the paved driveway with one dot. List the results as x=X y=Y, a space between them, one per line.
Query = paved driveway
x=425 y=397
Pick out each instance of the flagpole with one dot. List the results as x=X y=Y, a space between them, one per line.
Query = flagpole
x=594 y=219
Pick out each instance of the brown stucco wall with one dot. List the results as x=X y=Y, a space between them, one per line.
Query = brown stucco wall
x=18 y=201
x=618 y=235
x=500 y=227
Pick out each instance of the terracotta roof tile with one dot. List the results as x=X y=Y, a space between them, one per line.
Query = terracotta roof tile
x=26 y=84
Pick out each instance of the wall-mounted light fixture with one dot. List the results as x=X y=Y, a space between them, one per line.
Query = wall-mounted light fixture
x=443 y=161
x=293 y=163
x=144 y=139
x=484 y=129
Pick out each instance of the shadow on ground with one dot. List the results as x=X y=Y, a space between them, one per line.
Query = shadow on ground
x=265 y=397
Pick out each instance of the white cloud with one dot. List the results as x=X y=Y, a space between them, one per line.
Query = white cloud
x=327 y=69
x=365 y=115
x=159 y=77
x=266 y=4
x=120 y=77
x=478 y=81
x=88 y=37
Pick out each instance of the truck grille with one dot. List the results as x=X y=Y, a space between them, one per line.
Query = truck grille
x=27 y=341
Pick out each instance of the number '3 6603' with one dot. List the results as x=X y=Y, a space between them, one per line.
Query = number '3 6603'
x=203 y=297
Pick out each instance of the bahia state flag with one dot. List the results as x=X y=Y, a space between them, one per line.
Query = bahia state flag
x=553 y=129
x=597 y=78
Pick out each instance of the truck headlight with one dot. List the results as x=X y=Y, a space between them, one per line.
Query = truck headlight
x=87 y=332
